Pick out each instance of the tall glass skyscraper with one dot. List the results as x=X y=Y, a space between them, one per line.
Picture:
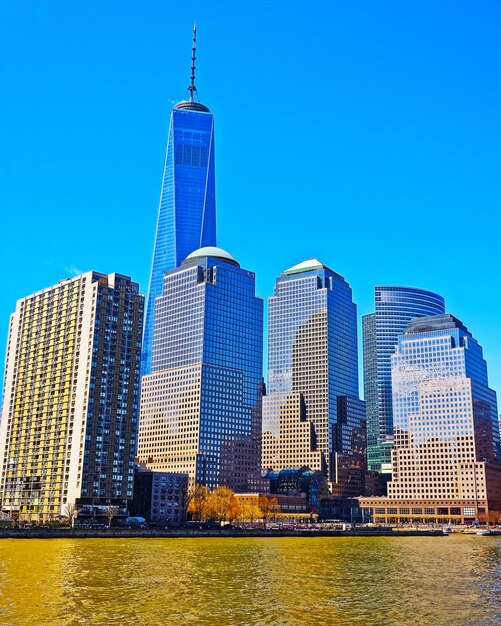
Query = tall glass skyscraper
x=201 y=404
x=312 y=361
x=187 y=210
x=395 y=307
x=446 y=461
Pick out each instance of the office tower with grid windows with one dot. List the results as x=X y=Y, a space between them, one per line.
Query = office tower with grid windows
x=395 y=307
x=312 y=362
x=446 y=461
x=69 y=424
x=201 y=403
x=187 y=209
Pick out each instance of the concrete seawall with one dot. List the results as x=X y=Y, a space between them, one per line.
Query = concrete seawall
x=122 y=533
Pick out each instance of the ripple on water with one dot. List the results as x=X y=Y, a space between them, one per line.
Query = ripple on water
x=275 y=581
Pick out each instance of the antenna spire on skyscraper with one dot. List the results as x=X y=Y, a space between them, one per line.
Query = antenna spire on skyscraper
x=187 y=208
x=192 y=87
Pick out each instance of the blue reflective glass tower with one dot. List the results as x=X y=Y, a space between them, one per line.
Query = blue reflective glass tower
x=187 y=210
x=312 y=351
x=395 y=307
x=445 y=417
x=201 y=403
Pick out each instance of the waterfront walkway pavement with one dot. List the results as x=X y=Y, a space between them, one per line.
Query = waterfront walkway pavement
x=225 y=531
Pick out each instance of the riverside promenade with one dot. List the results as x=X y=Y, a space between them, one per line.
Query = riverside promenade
x=226 y=531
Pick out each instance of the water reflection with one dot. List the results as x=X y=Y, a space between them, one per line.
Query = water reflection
x=345 y=581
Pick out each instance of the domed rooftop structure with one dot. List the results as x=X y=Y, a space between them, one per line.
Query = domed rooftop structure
x=211 y=251
x=308 y=266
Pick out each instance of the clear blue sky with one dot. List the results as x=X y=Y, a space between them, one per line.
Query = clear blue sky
x=366 y=134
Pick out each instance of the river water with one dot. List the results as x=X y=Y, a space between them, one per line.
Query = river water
x=319 y=580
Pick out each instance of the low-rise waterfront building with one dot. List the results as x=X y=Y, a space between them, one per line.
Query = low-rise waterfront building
x=161 y=498
x=299 y=482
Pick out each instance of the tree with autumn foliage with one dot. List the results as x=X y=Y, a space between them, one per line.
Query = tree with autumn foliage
x=198 y=503
x=269 y=507
x=218 y=505
x=222 y=504
x=250 y=512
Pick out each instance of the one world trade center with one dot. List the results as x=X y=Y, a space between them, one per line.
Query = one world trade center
x=187 y=210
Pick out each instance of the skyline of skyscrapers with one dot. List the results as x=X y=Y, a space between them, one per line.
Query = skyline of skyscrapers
x=187 y=209
x=394 y=307
x=71 y=397
x=201 y=411
x=312 y=361
x=201 y=404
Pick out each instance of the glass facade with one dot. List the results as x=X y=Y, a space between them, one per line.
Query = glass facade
x=298 y=481
x=187 y=211
x=395 y=307
x=445 y=415
x=312 y=352
x=201 y=404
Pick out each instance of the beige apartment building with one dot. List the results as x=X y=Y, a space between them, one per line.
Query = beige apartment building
x=71 y=393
